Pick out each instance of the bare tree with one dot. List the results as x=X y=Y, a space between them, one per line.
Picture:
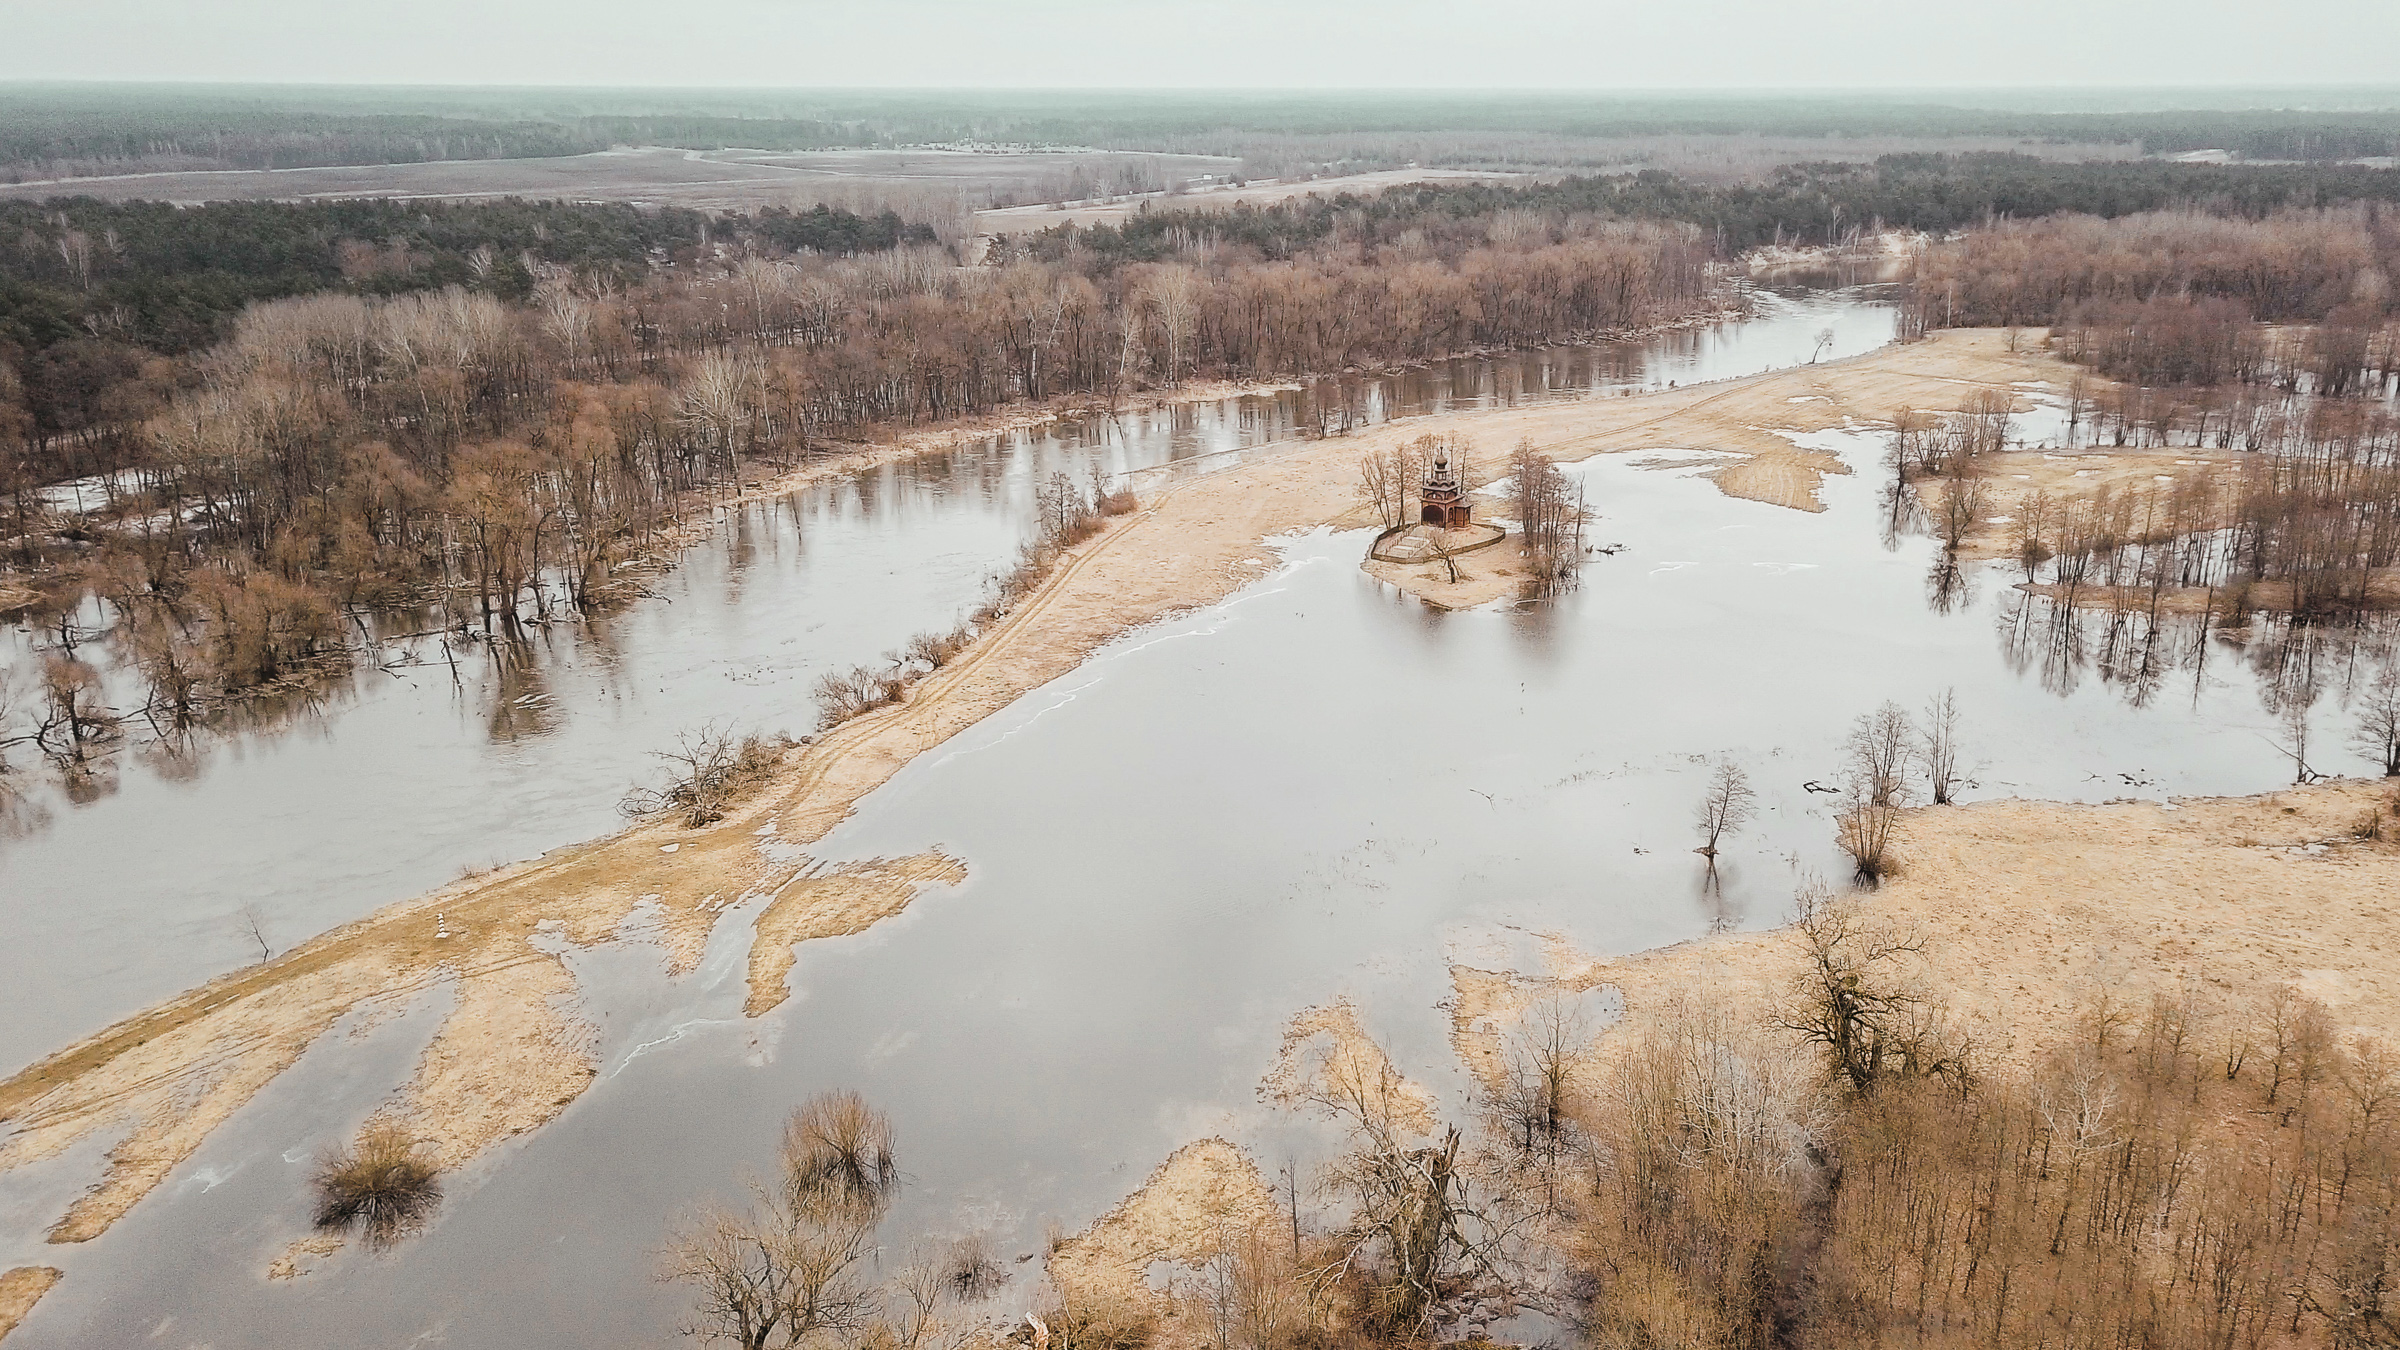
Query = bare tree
x=2378 y=734
x=1550 y=517
x=1726 y=806
x=1879 y=747
x=2293 y=719
x=1851 y=1005
x=74 y=715
x=1383 y=485
x=254 y=925
x=1937 y=745
x=1419 y=1227
x=1864 y=830
x=788 y=1268
x=1963 y=504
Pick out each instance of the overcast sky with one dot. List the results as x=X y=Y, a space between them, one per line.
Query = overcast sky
x=1219 y=43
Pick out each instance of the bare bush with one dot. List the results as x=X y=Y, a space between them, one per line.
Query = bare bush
x=1864 y=830
x=843 y=694
x=2119 y=1184
x=1251 y=1292
x=1706 y=1153
x=709 y=769
x=382 y=1187
x=792 y=1266
x=970 y=1271
x=937 y=650
x=837 y=1154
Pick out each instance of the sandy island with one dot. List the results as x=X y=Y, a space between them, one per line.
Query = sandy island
x=513 y=1053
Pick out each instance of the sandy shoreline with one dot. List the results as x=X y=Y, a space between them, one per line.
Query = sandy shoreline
x=2031 y=910
x=509 y=1060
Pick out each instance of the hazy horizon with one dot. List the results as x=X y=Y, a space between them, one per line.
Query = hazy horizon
x=1515 y=45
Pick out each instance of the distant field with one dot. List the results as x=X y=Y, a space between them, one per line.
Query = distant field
x=706 y=179
x=1023 y=219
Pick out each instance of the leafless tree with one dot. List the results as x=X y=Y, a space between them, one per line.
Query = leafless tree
x=1963 y=504
x=1725 y=807
x=1419 y=1226
x=1864 y=830
x=2378 y=734
x=1536 y=1102
x=790 y=1266
x=1937 y=745
x=1878 y=748
x=1384 y=480
x=2292 y=718
x=74 y=716
x=255 y=927
x=1550 y=518
x=1851 y=1004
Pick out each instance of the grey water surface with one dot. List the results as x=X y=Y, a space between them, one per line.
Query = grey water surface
x=1317 y=788
x=396 y=781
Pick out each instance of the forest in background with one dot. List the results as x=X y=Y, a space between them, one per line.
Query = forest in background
x=475 y=457
x=51 y=131
x=93 y=293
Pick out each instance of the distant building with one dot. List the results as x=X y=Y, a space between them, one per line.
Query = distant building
x=1444 y=497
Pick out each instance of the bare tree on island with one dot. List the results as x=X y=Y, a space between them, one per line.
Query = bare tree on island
x=1727 y=806
x=1550 y=518
x=1384 y=479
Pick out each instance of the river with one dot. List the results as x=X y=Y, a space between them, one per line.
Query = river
x=1313 y=789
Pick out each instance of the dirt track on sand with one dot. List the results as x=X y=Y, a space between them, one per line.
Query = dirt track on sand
x=513 y=1054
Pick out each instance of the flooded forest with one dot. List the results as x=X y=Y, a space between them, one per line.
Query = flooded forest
x=1261 y=725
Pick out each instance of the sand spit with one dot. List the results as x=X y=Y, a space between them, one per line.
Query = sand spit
x=838 y=903
x=20 y=1289
x=1328 y=1055
x=1204 y=1195
x=171 y=1074
x=2030 y=910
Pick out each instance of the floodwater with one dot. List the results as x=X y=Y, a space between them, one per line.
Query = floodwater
x=1316 y=788
x=400 y=779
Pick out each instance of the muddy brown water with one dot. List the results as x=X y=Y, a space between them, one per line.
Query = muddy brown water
x=1315 y=788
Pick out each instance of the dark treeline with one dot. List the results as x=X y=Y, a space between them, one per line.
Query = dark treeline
x=92 y=293
x=170 y=277
x=2287 y=266
x=1802 y=204
x=56 y=130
